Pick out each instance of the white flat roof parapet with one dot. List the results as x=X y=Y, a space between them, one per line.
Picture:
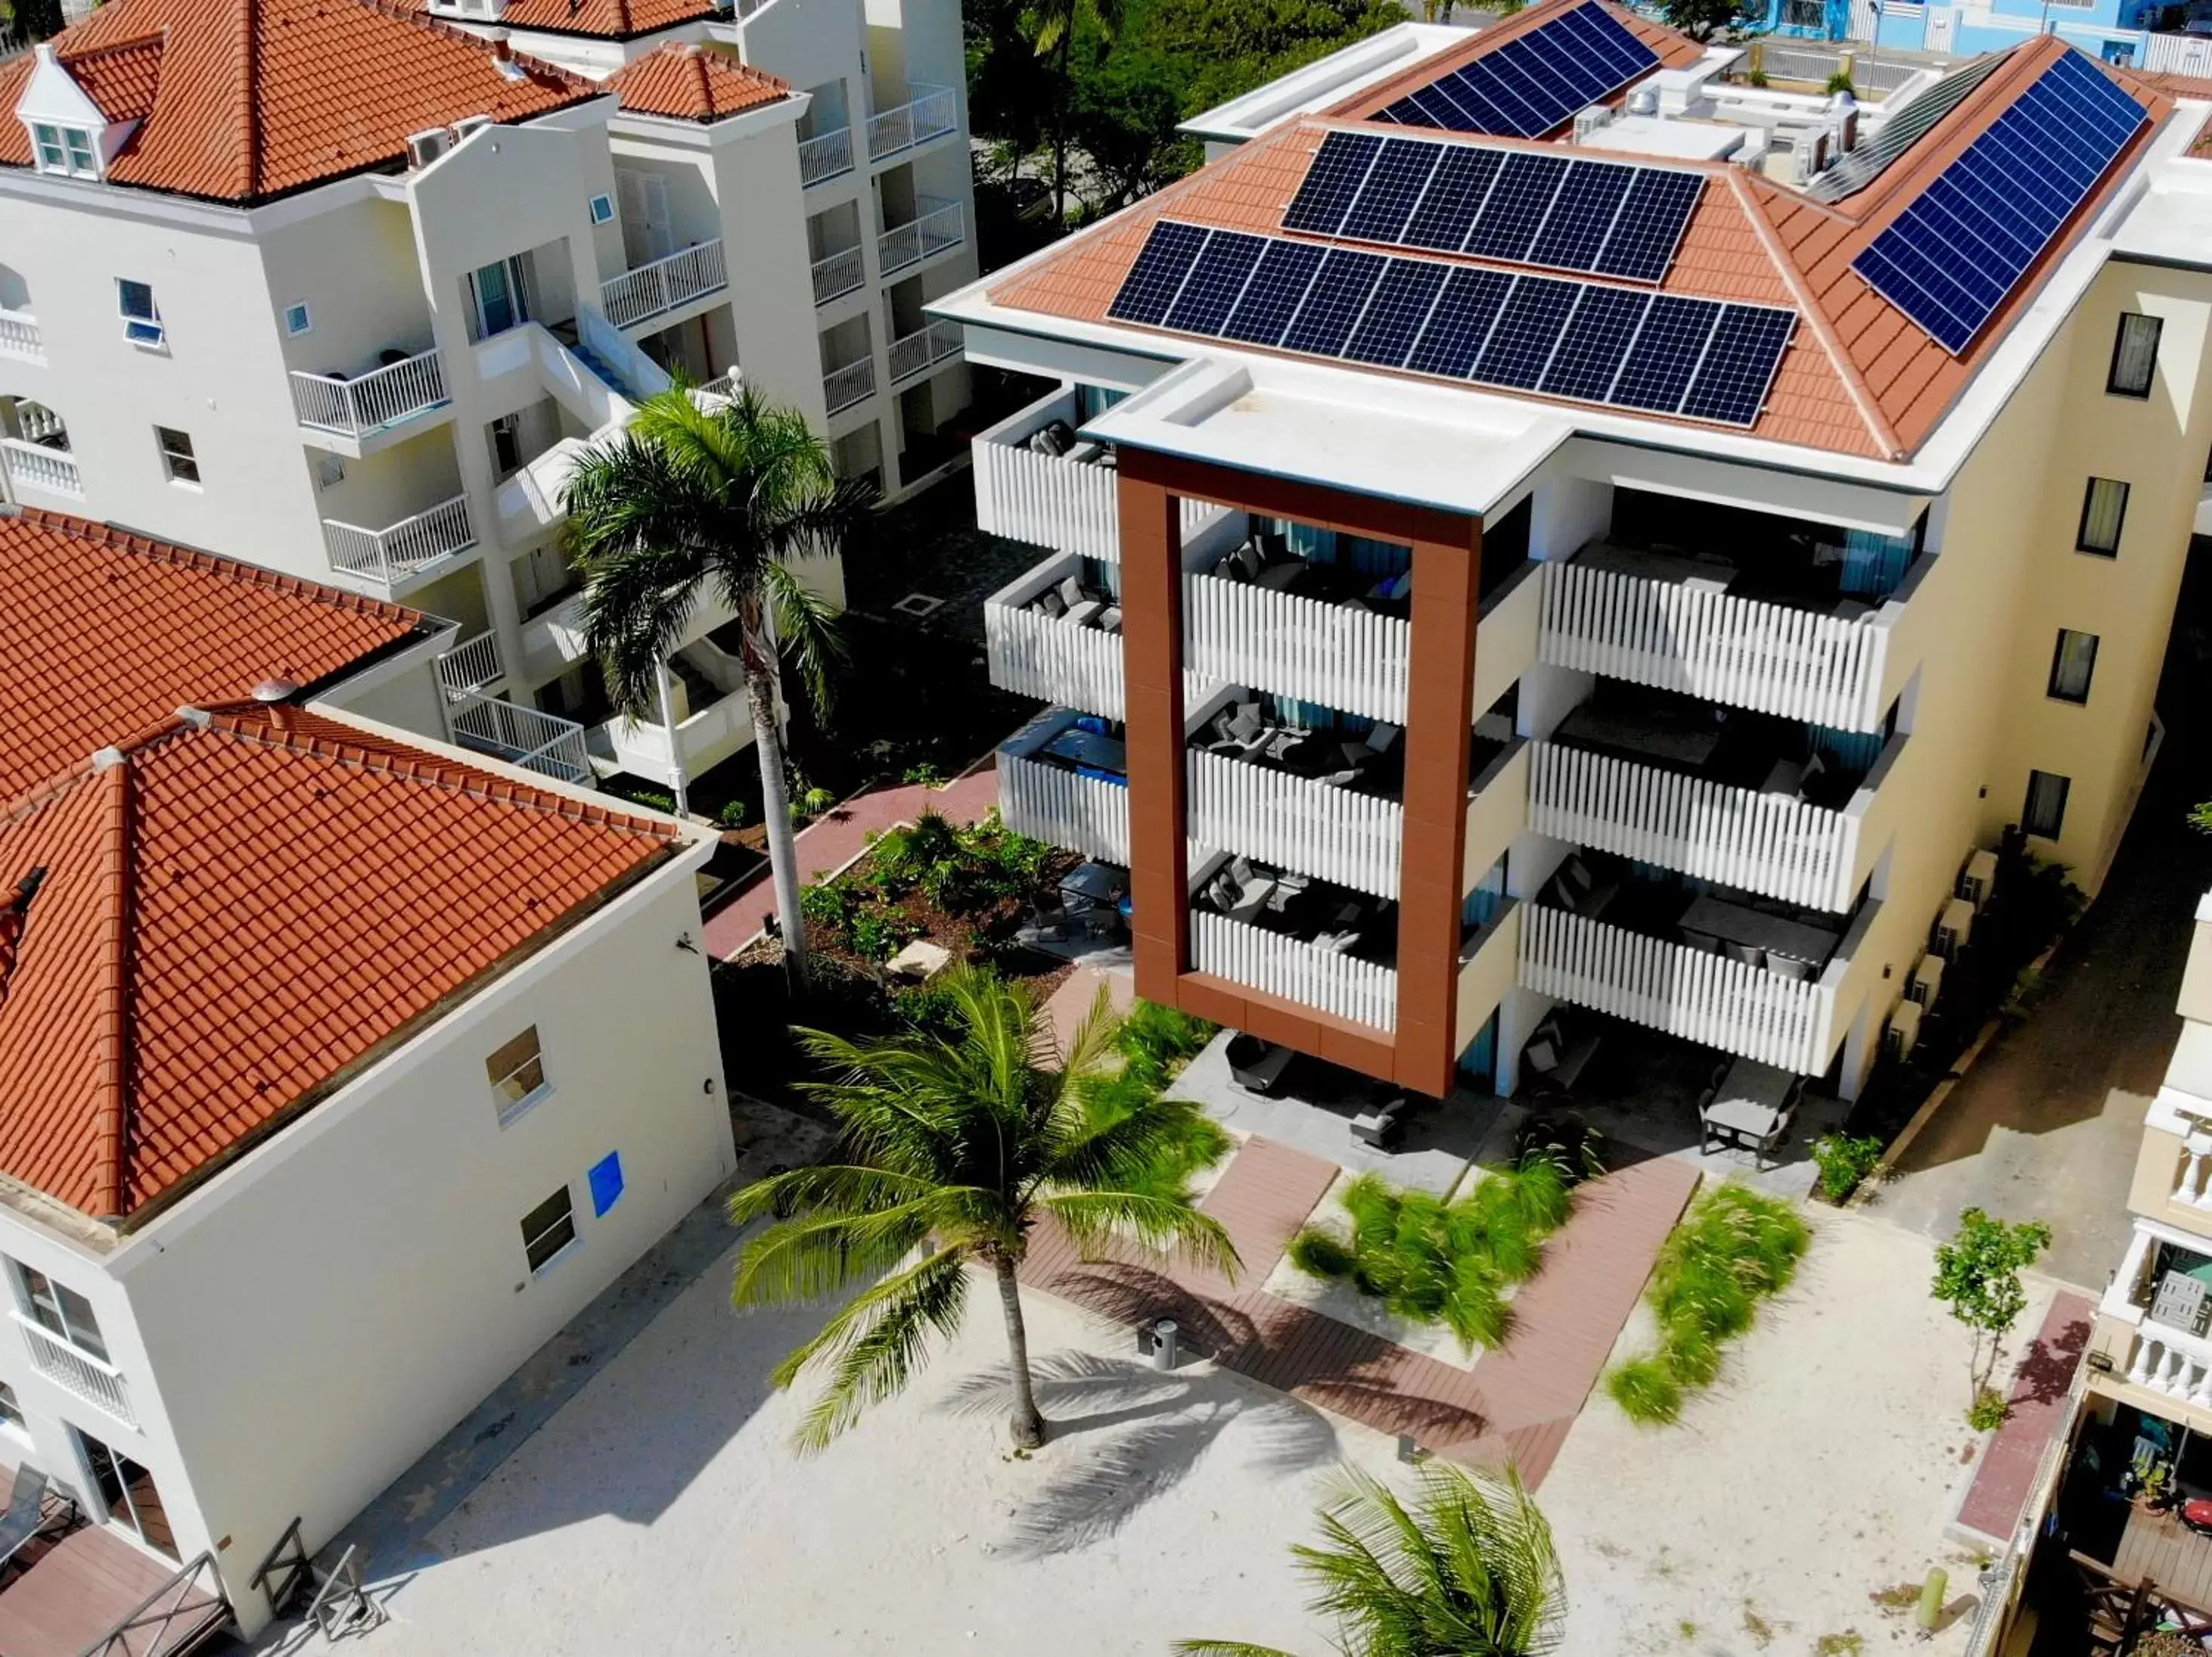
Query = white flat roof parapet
x=1388 y=439
x=1324 y=82
x=2170 y=223
x=1673 y=138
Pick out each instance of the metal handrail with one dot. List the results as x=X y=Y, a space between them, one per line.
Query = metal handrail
x=825 y=156
x=118 y=1641
x=931 y=114
x=939 y=226
x=373 y=401
x=924 y=348
x=839 y=274
x=855 y=382
x=662 y=284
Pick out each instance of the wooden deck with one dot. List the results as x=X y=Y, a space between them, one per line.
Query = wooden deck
x=2174 y=1557
x=91 y=1582
x=1516 y=1405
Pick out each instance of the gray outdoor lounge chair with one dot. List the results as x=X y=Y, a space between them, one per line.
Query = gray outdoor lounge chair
x=30 y=1514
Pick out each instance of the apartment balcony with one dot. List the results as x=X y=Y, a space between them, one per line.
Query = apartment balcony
x=536 y=740
x=850 y=385
x=37 y=466
x=713 y=716
x=471 y=666
x=664 y=285
x=932 y=112
x=72 y=1369
x=843 y=272
x=825 y=156
x=390 y=561
x=1311 y=942
x=343 y=412
x=1702 y=627
x=917 y=353
x=1055 y=633
x=1066 y=784
x=1319 y=632
x=2152 y=1319
x=1489 y=967
x=937 y=225
x=20 y=337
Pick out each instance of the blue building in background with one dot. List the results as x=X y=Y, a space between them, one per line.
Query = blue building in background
x=2135 y=34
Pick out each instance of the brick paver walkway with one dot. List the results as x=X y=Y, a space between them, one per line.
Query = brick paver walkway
x=1515 y=1405
x=830 y=842
x=2039 y=1387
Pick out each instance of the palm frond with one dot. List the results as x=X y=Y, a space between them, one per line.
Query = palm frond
x=814 y=1258
x=832 y=1187
x=807 y=628
x=1223 y=1649
x=877 y=1344
x=1165 y=1226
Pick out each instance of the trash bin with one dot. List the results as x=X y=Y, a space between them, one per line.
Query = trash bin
x=1166 y=1346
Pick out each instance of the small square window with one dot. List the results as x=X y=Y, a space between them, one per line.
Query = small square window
x=298 y=318
x=11 y=1412
x=81 y=155
x=2104 y=509
x=2072 y=664
x=142 y=318
x=64 y=150
x=547 y=1229
x=177 y=456
x=52 y=157
x=2134 y=355
x=602 y=209
x=518 y=1075
x=2044 y=814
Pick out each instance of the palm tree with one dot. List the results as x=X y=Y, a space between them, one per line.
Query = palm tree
x=697 y=495
x=1467 y=1571
x=1052 y=33
x=958 y=1144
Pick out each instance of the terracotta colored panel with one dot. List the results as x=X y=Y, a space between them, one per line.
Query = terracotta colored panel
x=1370 y=1054
x=1206 y=995
x=1151 y=626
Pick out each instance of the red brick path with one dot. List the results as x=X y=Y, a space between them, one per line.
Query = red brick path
x=2002 y=1483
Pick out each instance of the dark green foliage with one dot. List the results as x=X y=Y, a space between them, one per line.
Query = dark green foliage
x=1843 y=1160
x=1157 y=1041
x=732 y=814
x=1703 y=19
x=1646 y=1391
x=1977 y=1277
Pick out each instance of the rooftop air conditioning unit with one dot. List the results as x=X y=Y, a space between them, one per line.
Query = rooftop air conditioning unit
x=1589 y=120
x=469 y=123
x=1902 y=1032
x=1953 y=928
x=1976 y=879
x=1926 y=982
x=1805 y=159
x=425 y=147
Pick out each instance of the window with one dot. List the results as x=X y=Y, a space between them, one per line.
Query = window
x=141 y=319
x=518 y=1075
x=177 y=458
x=126 y=1490
x=602 y=209
x=11 y=1412
x=65 y=149
x=499 y=297
x=2044 y=814
x=506 y=445
x=60 y=1311
x=2103 y=507
x=547 y=1229
x=298 y=318
x=2134 y=355
x=2071 y=665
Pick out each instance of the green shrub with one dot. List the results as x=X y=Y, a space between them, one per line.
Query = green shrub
x=878 y=934
x=924 y=774
x=1646 y=1391
x=928 y=1008
x=732 y=814
x=1321 y=1253
x=1840 y=82
x=1843 y=1160
x=1156 y=1041
x=1988 y=1411
x=652 y=799
x=826 y=906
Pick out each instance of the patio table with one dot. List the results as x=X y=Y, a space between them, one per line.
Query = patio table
x=1687 y=745
x=1089 y=747
x=1099 y=885
x=1750 y=1109
x=1732 y=922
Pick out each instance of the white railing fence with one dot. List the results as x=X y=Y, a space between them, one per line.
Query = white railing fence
x=1049 y=501
x=931 y=114
x=1054 y=659
x=2178 y=54
x=94 y=1380
x=939 y=226
x=20 y=336
x=924 y=348
x=2166 y=1361
x=1770 y=843
x=663 y=284
x=825 y=156
x=2192 y=1186
x=382 y=397
x=1362 y=991
x=1057 y=806
x=54 y=471
x=1332 y=834
x=842 y=387
x=1670 y=987
x=539 y=742
x=393 y=554
x=1351 y=660
x=840 y=274
x=1740 y=650
x=470 y=666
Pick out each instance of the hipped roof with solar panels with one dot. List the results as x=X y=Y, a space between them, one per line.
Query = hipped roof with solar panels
x=1452 y=224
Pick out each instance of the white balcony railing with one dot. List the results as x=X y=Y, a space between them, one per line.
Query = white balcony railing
x=20 y=336
x=54 y=470
x=95 y=1381
x=924 y=348
x=853 y=383
x=1771 y=843
x=1361 y=990
x=933 y=113
x=939 y=226
x=1299 y=822
x=1685 y=991
x=543 y=742
x=1054 y=500
x=1053 y=659
x=376 y=401
x=825 y=156
x=1356 y=660
x=840 y=274
x=677 y=279
x=1063 y=809
x=1675 y=636
x=470 y=666
x=2168 y=1361
x=391 y=555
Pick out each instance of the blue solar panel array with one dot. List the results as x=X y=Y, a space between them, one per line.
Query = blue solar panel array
x=1534 y=83
x=1522 y=206
x=1952 y=257
x=1626 y=348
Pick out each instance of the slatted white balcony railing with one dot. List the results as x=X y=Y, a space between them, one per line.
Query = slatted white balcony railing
x=931 y=114
x=54 y=471
x=841 y=273
x=470 y=666
x=1362 y=991
x=1061 y=808
x=1355 y=660
x=637 y=295
x=1299 y=822
x=939 y=226
x=1672 y=636
x=2169 y=1362
x=536 y=740
x=1054 y=659
x=1685 y=991
x=391 y=554
x=20 y=336
x=376 y=401
x=1771 y=843
x=924 y=348
x=1051 y=501
x=95 y=1381
x=825 y=156
x=853 y=383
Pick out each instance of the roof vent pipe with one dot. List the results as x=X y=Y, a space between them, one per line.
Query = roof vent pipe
x=1643 y=101
x=274 y=690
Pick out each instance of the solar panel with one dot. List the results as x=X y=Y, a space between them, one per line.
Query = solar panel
x=1216 y=283
x=1595 y=341
x=1958 y=252
x=1534 y=82
x=1669 y=348
x=1455 y=194
x=1519 y=202
x=1581 y=216
x=1527 y=333
x=1333 y=178
x=1393 y=189
x=1740 y=363
x=1271 y=297
x=1334 y=303
x=1396 y=312
x=1642 y=242
x=1459 y=327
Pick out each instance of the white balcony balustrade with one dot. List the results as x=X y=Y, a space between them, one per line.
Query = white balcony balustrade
x=1364 y=992
x=20 y=336
x=923 y=349
x=1351 y=660
x=470 y=666
x=825 y=156
x=938 y=225
x=1052 y=658
x=1068 y=501
x=843 y=272
x=2166 y=1361
x=536 y=740
x=932 y=112
x=375 y=402
x=1062 y=808
x=95 y=1381
x=854 y=383
x=36 y=466
x=1690 y=636
x=390 y=557
x=678 y=278
x=1300 y=822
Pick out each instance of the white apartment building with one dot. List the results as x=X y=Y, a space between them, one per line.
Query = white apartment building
x=349 y=301
x=1533 y=525
x=338 y=1070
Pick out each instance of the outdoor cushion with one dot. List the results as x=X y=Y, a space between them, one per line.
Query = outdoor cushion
x=1382 y=737
x=1109 y=619
x=1246 y=722
x=1051 y=605
x=1071 y=591
x=1543 y=1058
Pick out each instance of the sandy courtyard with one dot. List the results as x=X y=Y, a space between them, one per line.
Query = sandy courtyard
x=662 y=1511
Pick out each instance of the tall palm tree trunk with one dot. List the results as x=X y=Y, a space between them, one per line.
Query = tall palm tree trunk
x=1060 y=133
x=1028 y=1424
x=775 y=804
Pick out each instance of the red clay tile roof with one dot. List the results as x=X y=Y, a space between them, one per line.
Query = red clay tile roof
x=611 y=19
x=245 y=99
x=691 y=82
x=81 y=666
x=232 y=919
x=1859 y=378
